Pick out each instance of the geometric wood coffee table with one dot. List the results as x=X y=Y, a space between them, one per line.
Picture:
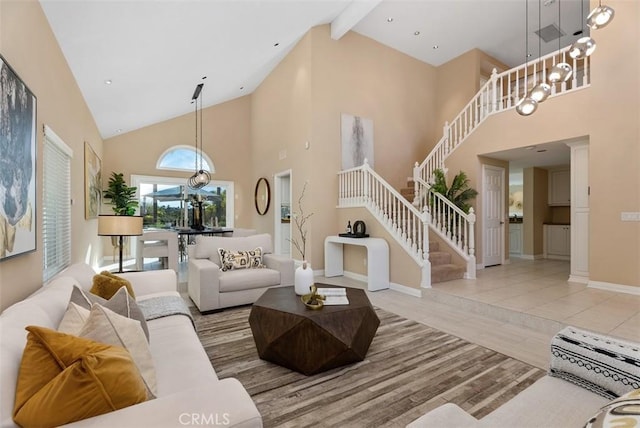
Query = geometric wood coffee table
x=312 y=341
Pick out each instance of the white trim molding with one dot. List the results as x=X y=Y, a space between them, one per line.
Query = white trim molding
x=415 y=292
x=618 y=288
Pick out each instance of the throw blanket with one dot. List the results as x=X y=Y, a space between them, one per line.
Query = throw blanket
x=164 y=306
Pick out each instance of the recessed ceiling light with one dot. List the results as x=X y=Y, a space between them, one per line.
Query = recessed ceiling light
x=108 y=82
x=118 y=130
x=276 y=44
x=416 y=33
x=241 y=87
x=541 y=150
x=204 y=77
x=435 y=46
x=528 y=55
x=389 y=19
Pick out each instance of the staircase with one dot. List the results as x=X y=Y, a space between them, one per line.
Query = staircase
x=411 y=222
x=442 y=268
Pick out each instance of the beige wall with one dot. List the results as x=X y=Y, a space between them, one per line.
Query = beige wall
x=459 y=80
x=28 y=45
x=302 y=100
x=607 y=113
x=226 y=140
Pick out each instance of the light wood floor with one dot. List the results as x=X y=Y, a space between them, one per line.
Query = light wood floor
x=514 y=309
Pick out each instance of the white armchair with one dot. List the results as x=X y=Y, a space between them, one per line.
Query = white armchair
x=211 y=288
x=162 y=244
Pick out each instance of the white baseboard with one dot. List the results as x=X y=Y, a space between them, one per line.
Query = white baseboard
x=356 y=276
x=531 y=256
x=415 y=292
x=579 y=279
x=618 y=288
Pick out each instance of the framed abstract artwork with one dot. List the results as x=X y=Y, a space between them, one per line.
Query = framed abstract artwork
x=18 y=201
x=92 y=182
x=357 y=141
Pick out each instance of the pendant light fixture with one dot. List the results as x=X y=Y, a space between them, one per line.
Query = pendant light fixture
x=584 y=46
x=600 y=16
x=200 y=177
x=561 y=72
x=542 y=90
x=527 y=105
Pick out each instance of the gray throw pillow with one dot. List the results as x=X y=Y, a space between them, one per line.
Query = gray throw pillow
x=121 y=303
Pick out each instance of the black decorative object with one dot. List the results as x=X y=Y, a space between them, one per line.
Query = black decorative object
x=359 y=231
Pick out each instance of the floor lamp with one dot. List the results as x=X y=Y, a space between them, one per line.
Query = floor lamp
x=121 y=226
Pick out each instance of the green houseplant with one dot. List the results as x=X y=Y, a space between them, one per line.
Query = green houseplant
x=459 y=192
x=123 y=197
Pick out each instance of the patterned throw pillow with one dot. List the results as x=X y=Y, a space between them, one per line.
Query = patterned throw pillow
x=602 y=364
x=624 y=411
x=230 y=260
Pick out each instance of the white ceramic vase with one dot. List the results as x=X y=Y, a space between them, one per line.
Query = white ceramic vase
x=303 y=278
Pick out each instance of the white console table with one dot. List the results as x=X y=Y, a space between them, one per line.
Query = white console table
x=377 y=259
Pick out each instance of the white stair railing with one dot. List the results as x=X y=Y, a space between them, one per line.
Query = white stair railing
x=454 y=226
x=363 y=187
x=502 y=92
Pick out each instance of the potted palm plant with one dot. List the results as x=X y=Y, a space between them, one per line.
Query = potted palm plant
x=459 y=192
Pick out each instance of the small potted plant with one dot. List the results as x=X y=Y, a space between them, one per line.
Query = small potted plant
x=304 y=274
x=123 y=199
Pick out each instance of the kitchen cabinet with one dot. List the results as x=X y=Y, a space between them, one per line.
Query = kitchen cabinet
x=559 y=187
x=557 y=241
x=515 y=238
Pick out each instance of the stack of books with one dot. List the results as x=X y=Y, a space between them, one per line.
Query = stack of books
x=334 y=296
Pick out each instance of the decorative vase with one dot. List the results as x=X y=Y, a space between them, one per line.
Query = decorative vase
x=303 y=278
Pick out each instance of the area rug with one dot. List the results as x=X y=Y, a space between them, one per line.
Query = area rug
x=410 y=369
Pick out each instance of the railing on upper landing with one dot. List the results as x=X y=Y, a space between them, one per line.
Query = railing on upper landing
x=502 y=92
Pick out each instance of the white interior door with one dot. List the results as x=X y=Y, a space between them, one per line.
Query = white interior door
x=492 y=201
x=282 y=227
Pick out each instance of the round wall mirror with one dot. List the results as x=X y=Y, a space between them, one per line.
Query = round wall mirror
x=262 y=196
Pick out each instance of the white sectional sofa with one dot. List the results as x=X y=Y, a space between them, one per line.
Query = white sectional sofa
x=211 y=288
x=189 y=392
x=587 y=371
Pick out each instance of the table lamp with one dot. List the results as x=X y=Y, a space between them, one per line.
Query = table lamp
x=121 y=226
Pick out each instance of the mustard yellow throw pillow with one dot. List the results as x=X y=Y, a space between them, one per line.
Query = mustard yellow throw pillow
x=64 y=378
x=106 y=284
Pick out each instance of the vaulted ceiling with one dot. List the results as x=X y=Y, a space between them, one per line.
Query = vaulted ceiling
x=137 y=62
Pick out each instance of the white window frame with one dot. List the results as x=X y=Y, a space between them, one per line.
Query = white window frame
x=206 y=158
x=56 y=205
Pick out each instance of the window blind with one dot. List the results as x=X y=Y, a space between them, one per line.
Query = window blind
x=56 y=206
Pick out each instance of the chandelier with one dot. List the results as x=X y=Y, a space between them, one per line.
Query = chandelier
x=200 y=177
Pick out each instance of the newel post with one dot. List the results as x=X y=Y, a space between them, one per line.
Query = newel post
x=416 y=187
x=365 y=180
x=471 y=263
x=494 y=90
x=426 y=264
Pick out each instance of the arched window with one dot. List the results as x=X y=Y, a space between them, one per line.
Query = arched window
x=183 y=158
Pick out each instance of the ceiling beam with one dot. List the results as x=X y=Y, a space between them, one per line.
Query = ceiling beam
x=350 y=17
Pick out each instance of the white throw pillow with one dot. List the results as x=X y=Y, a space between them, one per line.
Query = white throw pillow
x=74 y=319
x=106 y=326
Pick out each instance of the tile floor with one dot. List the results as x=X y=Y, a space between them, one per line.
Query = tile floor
x=514 y=308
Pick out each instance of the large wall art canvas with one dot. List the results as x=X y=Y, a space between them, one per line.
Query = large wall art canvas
x=357 y=141
x=92 y=182
x=17 y=165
